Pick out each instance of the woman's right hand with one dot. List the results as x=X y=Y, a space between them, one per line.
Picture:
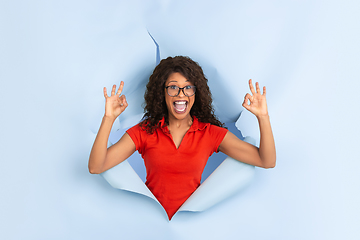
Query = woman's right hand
x=116 y=103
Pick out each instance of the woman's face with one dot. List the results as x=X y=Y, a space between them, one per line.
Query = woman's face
x=179 y=106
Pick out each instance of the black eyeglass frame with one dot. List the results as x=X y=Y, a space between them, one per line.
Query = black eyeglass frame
x=194 y=87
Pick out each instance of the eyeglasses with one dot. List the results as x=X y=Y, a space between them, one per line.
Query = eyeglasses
x=174 y=90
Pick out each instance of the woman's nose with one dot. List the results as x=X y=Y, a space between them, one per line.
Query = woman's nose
x=181 y=93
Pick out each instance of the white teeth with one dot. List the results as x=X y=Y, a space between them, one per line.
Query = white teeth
x=180 y=102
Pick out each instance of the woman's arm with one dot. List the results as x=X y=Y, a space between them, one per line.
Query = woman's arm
x=101 y=158
x=265 y=155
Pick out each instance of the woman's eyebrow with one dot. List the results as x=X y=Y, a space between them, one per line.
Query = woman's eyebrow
x=176 y=81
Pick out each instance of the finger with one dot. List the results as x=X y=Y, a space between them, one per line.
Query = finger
x=251 y=87
x=121 y=100
x=113 y=90
x=257 y=87
x=247 y=99
x=246 y=103
x=105 y=93
x=124 y=102
x=119 y=91
x=264 y=91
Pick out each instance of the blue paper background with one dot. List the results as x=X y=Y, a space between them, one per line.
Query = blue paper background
x=55 y=57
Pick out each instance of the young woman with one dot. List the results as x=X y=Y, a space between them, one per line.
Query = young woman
x=179 y=132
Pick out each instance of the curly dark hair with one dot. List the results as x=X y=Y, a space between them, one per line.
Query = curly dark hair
x=155 y=106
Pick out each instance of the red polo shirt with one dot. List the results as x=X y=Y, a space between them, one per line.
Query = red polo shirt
x=174 y=174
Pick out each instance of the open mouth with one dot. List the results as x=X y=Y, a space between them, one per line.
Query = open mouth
x=180 y=106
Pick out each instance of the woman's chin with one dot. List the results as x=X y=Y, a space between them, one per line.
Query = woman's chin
x=179 y=115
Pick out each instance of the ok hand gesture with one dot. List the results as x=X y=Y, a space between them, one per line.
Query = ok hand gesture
x=116 y=103
x=257 y=100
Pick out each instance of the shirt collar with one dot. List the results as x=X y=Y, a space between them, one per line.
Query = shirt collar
x=197 y=125
x=163 y=126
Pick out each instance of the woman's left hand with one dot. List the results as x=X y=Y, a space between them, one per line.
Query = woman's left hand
x=257 y=101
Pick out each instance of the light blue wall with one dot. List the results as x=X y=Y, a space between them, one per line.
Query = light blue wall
x=56 y=56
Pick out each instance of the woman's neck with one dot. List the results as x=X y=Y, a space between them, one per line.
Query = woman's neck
x=180 y=123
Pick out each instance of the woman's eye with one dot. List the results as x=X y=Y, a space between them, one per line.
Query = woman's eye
x=173 y=87
x=188 y=87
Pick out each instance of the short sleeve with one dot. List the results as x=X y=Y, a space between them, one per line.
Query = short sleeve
x=217 y=135
x=137 y=135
